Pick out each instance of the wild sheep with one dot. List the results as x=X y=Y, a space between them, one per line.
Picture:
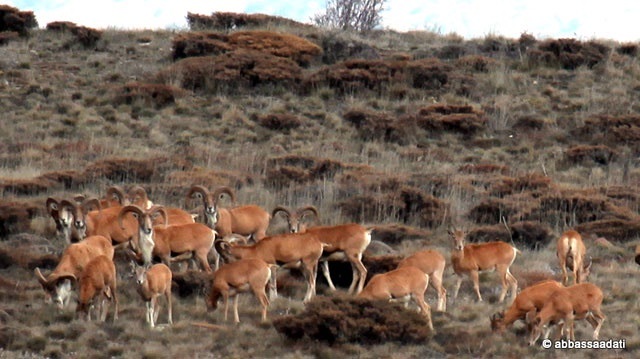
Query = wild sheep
x=74 y=259
x=403 y=284
x=571 y=254
x=240 y=276
x=432 y=263
x=153 y=283
x=470 y=259
x=250 y=220
x=565 y=305
x=98 y=280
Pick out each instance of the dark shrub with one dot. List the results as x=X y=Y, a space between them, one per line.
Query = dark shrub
x=533 y=235
x=123 y=169
x=283 y=45
x=15 y=217
x=496 y=232
x=534 y=182
x=348 y=320
x=7 y=36
x=373 y=126
x=629 y=49
x=232 y=71
x=284 y=122
x=588 y=155
x=157 y=95
x=70 y=179
x=451 y=118
x=335 y=49
x=86 y=36
x=397 y=233
x=569 y=53
x=14 y=20
x=612 y=229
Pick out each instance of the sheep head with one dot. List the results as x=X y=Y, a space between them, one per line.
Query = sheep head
x=144 y=219
x=294 y=220
x=58 y=288
x=210 y=210
x=138 y=196
x=74 y=214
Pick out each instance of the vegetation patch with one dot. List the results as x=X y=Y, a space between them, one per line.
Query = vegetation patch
x=220 y=20
x=347 y=320
x=85 y=36
x=235 y=70
x=283 y=45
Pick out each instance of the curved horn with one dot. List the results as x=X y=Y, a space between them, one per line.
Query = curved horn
x=116 y=192
x=66 y=203
x=40 y=277
x=52 y=205
x=130 y=208
x=199 y=192
x=587 y=264
x=138 y=190
x=302 y=210
x=221 y=246
x=222 y=190
x=86 y=204
x=79 y=197
x=282 y=209
x=53 y=280
x=159 y=209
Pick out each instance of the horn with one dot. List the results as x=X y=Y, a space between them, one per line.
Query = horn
x=281 y=209
x=199 y=191
x=52 y=205
x=116 y=192
x=222 y=190
x=79 y=197
x=62 y=277
x=130 y=208
x=588 y=263
x=43 y=281
x=311 y=209
x=221 y=245
x=73 y=207
x=86 y=204
x=159 y=209
x=139 y=191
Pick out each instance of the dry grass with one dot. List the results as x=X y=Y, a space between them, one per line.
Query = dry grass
x=406 y=132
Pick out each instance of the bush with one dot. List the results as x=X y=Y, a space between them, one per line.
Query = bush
x=569 y=53
x=232 y=71
x=588 y=155
x=451 y=118
x=381 y=126
x=278 y=121
x=348 y=320
x=231 y=20
x=123 y=169
x=277 y=44
x=14 y=20
x=86 y=36
x=157 y=95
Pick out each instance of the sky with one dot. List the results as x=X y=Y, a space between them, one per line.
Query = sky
x=583 y=20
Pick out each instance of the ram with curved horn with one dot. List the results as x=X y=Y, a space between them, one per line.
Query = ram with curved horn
x=137 y=195
x=295 y=219
x=191 y=240
x=73 y=261
x=73 y=220
x=248 y=220
x=345 y=242
x=113 y=197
